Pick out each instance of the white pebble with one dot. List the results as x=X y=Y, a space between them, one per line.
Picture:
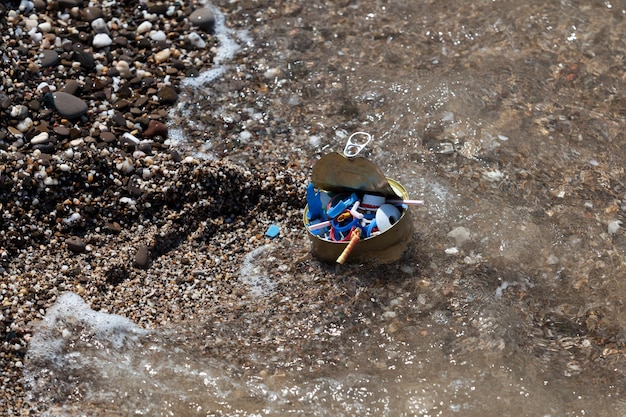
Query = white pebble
x=35 y=35
x=614 y=226
x=100 y=40
x=158 y=35
x=144 y=27
x=126 y=166
x=43 y=137
x=196 y=40
x=44 y=27
x=25 y=124
x=64 y=167
x=245 y=136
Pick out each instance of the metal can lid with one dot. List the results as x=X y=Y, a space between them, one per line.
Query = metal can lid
x=336 y=173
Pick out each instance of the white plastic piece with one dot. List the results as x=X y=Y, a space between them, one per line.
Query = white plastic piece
x=386 y=216
x=354 y=211
x=371 y=202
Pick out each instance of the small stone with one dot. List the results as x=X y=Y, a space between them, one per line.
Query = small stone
x=49 y=58
x=162 y=56
x=25 y=125
x=100 y=26
x=15 y=132
x=91 y=13
x=204 y=19
x=19 y=111
x=196 y=40
x=142 y=256
x=101 y=40
x=44 y=27
x=68 y=105
x=71 y=87
x=113 y=227
x=144 y=27
x=167 y=95
x=70 y=3
x=75 y=244
x=614 y=226
x=155 y=128
x=175 y=155
x=108 y=137
x=86 y=59
x=460 y=234
x=43 y=137
x=158 y=35
x=61 y=130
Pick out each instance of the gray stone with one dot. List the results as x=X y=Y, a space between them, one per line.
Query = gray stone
x=71 y=87
x=68 y=105
x=75 y=244
x=49 y=58
x=204 y=19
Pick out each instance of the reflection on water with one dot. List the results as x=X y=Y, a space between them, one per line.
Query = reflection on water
x=507 y=119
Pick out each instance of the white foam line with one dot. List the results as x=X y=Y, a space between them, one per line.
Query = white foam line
x=228 y=48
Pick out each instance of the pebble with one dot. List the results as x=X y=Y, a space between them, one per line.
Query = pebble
x=43 y=137
x=162 y=56
x=75 y=244
x=144 y=27
x=158 y=35
x=196 y=40
x=459 y=234
x=49 y=58
x=61 y=130
x=68 y=105
x=71 y=87
x=167 y=95
x=91 y=13
x=100 y=40
x=155 y=128
x=204 y=19
x=25 y=125
x=142 y=256
x=100 y=26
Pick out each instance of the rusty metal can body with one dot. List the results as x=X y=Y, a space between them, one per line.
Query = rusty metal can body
x=382 y=248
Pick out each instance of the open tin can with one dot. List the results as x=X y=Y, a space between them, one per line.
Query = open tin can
x=341 y=180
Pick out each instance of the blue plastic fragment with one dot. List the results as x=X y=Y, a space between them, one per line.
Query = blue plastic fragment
x=341 y=206
x=272 y=231
x=314 y=202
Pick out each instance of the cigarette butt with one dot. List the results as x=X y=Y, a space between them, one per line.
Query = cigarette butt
x=355 y=236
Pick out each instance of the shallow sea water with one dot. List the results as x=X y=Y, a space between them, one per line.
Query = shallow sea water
x=507 y=118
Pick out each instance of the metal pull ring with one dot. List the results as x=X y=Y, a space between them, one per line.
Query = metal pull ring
x=356 y=143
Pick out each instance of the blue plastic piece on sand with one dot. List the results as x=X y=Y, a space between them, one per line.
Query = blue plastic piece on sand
x=314 y=202
x=272 y=231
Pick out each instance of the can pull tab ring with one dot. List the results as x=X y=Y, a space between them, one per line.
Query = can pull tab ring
x=356 y=143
